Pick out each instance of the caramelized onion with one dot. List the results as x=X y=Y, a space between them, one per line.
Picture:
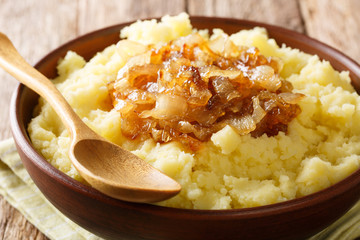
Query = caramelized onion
x=189 y=88
x=167 y=107
x=265 y=76
x=224 y=89
x=128 y=48
x=222 y=45
x=291 y=98
x=243 y=124
x=258 y=112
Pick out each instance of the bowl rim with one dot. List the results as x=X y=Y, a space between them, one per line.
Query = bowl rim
x=335 y=190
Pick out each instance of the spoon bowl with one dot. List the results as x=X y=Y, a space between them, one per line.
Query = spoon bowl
x=107 y=167
x=138 y=183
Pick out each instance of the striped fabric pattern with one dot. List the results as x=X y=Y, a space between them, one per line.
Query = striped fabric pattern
x=20 y=191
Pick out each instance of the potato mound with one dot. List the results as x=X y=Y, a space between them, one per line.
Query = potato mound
x=320 y=148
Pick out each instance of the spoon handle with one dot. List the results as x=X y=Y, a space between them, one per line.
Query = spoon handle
x=16 y=65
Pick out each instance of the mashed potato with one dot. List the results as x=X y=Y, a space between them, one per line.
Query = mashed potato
x=321 y=147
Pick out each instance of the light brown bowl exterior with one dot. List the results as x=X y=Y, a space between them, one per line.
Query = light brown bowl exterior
x=115 y=219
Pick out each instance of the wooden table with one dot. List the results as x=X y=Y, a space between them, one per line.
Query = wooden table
x=38 y=26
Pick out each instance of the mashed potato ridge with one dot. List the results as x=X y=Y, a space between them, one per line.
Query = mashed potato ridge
x=321 y=147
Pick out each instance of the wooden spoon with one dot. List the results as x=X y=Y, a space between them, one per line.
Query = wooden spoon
x=105 y=166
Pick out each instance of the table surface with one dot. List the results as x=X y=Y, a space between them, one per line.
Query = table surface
x=38 y=26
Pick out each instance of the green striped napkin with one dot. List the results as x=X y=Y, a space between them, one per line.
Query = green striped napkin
x=19 y=190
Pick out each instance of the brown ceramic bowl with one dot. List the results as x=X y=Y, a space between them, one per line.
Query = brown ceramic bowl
x=115 y=219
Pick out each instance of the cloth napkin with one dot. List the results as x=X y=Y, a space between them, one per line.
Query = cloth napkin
x=20 y=191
